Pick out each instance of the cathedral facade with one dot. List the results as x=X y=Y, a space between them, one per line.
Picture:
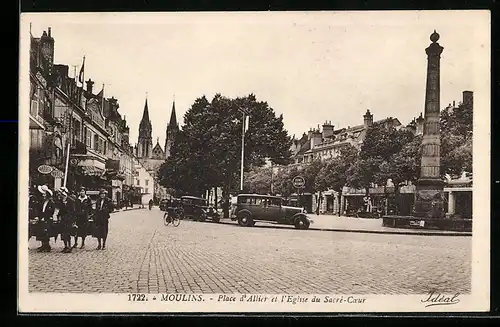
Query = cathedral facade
x=153 y=156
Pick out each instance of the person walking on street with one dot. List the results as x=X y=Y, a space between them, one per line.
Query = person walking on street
x=101 y=218
x=45 y=213
x=34 y=204
x=150 y=203
x=66 y=208
x=83 y=205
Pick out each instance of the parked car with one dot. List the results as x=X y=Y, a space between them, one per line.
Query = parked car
x=255 y=207
x=198 y=209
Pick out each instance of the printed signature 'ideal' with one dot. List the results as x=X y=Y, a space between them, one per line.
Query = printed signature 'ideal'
x=434 y=299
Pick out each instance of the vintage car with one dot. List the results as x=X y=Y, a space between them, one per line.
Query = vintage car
x=255 y=207
x=198 y=209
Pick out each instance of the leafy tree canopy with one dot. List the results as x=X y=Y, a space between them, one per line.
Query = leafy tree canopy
x=208 y=151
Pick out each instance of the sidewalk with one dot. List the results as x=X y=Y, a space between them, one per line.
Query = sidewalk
x=361 y=225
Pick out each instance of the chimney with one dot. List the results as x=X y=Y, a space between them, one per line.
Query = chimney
x=468 y=99
x=309 y=134
x=327 y=130
x=420 y=125
x=90 y=84
x=47 y=48
x=368 y=118
x=316 y=138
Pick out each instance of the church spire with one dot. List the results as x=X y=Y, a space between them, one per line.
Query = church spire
x=173 y=117
x=172 y=129
x=144 y=142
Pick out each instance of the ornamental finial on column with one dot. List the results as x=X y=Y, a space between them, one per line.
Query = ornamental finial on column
x=434 y=37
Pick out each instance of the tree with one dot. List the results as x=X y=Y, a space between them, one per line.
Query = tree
x=209 y=154
x=283 y=181
x=310 y=173
x=456 y=140
x=259 y=180
x=379 y=157
x=333 y=174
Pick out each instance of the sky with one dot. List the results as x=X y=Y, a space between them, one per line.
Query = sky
x=311 y=67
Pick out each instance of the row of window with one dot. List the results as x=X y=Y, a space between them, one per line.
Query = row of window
x=139 y=182
x=259 y=201
x=86 y=135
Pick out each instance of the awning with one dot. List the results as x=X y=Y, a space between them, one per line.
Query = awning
x=35 y=124
x=91 y=171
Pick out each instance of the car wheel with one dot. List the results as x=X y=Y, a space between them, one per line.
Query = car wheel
x=302 y=223
x=216 y=219
x=245 y=220
x=202 y=217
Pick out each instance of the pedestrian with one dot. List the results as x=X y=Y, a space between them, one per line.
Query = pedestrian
x=44 y=215
x=101 y=219
x=33 y=205
x=66 y=212
x=150 y=203
x=83 y=206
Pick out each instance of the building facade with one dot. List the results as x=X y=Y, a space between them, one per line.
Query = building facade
x=326 y=143
x=76 y=136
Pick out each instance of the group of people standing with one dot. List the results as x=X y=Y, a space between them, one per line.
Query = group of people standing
x=54 y=214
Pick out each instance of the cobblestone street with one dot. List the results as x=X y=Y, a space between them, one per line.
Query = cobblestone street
x=143 y=255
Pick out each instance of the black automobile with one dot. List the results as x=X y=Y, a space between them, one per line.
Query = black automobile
x=250 y=208
x=198 y=209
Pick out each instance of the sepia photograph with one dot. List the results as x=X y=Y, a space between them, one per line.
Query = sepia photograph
x=254 y=162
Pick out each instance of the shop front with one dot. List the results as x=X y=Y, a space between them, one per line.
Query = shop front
x=459 y=197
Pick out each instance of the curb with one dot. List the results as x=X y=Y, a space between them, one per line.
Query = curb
x=366 y=231
x=125 y=210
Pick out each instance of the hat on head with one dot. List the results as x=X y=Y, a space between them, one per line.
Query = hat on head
x=103 y=191
x=63 y=190
x=82 y=188
x=44 y=189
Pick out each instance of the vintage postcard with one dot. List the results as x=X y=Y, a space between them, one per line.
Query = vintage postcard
x=227 y=162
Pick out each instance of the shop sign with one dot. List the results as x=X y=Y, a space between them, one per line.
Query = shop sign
x=45 y=169
x=57 y=173
x=299 y=182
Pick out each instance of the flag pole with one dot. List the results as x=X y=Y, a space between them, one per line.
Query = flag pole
x=67 y=165
x=102 y=100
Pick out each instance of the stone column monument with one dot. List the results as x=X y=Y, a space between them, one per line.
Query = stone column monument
x=429 y=191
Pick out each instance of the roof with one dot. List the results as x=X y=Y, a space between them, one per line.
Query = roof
x=260 y=195
x=173 y=117
x=157 y=146
x=192 y=197
x=145 y=121
x=306 y=146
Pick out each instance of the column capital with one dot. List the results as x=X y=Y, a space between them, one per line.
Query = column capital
x=434 y=50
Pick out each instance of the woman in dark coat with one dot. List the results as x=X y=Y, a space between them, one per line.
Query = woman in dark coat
x=34 y=205
x=66 y=212
x=44 y=214
x=83 y=206
x=103 y=208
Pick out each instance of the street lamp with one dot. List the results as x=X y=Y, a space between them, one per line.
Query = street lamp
x=245 y=115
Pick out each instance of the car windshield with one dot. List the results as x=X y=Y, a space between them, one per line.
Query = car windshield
x=200 y=202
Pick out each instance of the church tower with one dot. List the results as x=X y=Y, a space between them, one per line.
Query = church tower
x=172 y=129
x=145 y=140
